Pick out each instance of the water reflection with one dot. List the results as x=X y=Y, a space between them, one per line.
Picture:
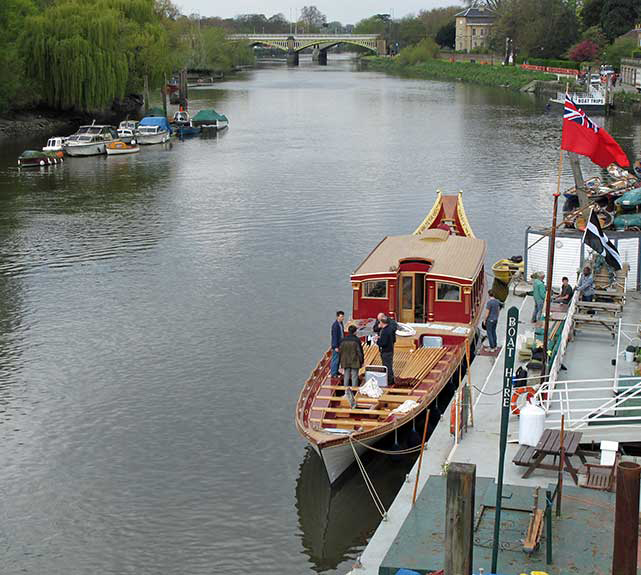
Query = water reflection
x=336 y=522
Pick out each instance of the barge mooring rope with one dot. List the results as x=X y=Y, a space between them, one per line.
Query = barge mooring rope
x=370 y=486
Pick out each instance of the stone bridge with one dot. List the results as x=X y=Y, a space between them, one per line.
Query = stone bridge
x=321 y=43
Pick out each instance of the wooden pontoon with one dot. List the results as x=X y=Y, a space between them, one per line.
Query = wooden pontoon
x=433 y=282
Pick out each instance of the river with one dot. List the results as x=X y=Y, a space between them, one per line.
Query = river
x=159 y=313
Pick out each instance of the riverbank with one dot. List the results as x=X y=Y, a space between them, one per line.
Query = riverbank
x=485 y=75
x=627 y=102
x=26 y=124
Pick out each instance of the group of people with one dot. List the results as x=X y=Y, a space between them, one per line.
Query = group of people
x=347 y=350
x=585 y=287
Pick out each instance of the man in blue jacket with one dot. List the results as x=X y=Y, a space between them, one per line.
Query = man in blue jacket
x=386 y=341
x=338 y=331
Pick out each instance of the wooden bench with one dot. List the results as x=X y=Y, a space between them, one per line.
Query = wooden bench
x=600 y=305
x=617 y=296
x=405 y=390
x=351 y=411
x=609 y=323
x=347 y=422
x=382 y=399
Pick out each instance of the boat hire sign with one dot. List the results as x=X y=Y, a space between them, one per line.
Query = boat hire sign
x=511 y=332
x=510 y=356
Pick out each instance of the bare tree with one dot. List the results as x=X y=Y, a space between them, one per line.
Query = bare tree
x=312 y=17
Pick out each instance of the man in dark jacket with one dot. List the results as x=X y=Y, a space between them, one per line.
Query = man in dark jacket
x=386 y=341
x=351 y=352
x=338 y=331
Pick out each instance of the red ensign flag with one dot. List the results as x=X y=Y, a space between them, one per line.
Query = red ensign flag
x=583 y=136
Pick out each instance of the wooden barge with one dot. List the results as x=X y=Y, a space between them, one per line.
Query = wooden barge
x=433 y=282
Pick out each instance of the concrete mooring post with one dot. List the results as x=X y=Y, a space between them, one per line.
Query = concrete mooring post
x=459 y=518
x=626 y=519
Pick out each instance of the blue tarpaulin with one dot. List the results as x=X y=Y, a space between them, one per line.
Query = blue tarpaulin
x=162 y=122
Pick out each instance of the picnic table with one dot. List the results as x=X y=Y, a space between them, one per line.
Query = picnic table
x=550 y=445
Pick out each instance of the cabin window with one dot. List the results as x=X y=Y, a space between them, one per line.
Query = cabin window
x=448 y=292
x=376 y=289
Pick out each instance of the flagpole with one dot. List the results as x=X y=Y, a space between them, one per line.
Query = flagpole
x=548 y=290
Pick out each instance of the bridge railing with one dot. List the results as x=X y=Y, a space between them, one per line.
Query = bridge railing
x=307 y=36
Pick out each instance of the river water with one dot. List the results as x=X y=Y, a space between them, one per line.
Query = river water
x=160 y=312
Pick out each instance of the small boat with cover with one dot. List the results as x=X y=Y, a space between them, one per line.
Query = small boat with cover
x=505 y=269
x=210 y=120
x=38 y=158
x=431 y=280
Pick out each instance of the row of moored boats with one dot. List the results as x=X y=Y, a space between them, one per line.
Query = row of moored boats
x=97 y=139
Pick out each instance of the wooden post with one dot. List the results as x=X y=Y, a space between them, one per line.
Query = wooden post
x=146 y=93
x=626 y=519
x=559 y=488
x=548 y=292
x=163 y=93
x=459 y=518
x=548 y=527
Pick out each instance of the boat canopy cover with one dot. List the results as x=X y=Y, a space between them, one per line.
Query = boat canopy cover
x=161 y=122
x=209 y=116
x=454 y=256
x=33 y=154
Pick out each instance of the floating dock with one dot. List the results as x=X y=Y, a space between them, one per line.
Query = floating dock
x=588 y=357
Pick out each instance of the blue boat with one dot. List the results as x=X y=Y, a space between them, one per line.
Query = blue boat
x=183 y=125
x=153 y=130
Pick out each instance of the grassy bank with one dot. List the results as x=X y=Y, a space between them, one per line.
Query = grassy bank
x=485 y=75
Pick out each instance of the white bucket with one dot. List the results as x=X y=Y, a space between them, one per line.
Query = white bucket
x=629 y=355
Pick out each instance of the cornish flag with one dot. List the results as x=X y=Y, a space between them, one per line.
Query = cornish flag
x=599 y=242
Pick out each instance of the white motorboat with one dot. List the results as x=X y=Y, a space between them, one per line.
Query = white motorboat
x=127 y=131
x=89 y=140
x=54 y=144
x=152 y=135
x=153 y=130
x=126 y=135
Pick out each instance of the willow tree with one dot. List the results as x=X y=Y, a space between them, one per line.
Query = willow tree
x=85 y=53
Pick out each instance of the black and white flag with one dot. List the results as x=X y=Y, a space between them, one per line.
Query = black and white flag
x=599 y=242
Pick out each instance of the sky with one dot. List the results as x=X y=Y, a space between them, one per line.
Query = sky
x=345 y=11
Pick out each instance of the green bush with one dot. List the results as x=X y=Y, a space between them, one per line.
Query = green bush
x=554 y=63
x=425 y=50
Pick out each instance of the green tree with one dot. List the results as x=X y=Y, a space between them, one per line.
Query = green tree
x=539 y=28
x=15 y=87
x=435 y=19
x=411 y=30
x=372 y=25
x=619 y=16
x=425 y=50
x=620 y=48
x=591 y=13
x=446 y=36
x=85 y=53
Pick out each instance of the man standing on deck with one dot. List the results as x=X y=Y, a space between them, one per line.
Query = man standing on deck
x=539 y=295
x=386 y=342
x=352 y=358
x=338 y=331
x=586 y=285
x=493 y=307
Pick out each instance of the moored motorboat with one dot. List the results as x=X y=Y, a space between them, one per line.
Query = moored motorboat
x=153 y=130
x=210 y=120
x=183 y=125
x=89 y=140
x=593 y=101
x=432 y=280
x=55 y=145
x=120 y=148
x=38 y=158
x=127 y=130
